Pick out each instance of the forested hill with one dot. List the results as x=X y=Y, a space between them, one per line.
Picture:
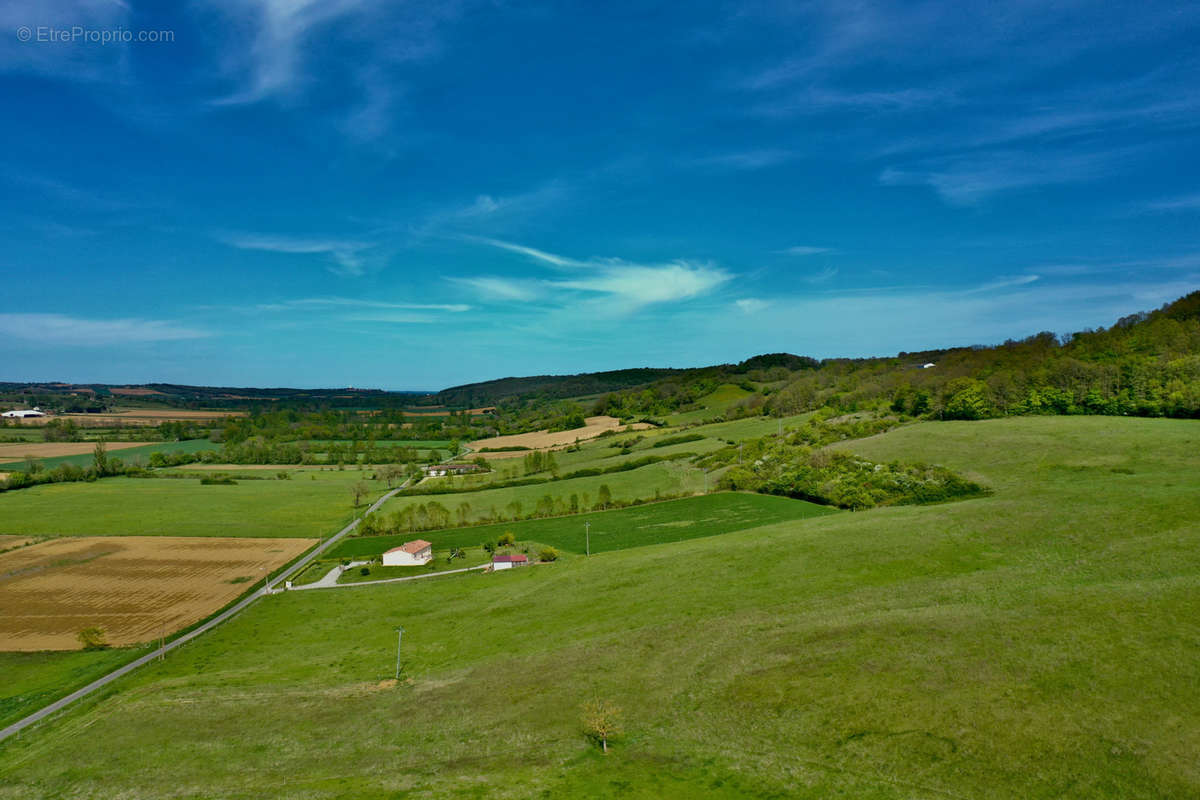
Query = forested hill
x=1146 y=364
x=550 y=386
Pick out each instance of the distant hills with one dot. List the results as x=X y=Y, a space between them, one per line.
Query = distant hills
x=1146 y=363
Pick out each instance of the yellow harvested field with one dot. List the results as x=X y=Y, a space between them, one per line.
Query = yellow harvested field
x=18 y=451
x=6 y=540
x=133 y=587
x=545 y=440
x=139 y=416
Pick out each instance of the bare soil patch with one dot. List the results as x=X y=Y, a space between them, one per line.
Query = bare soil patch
x=545 y=440
x=134 y=587
x=17 y=451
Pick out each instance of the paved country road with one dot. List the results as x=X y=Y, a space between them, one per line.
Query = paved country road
x=228 y=613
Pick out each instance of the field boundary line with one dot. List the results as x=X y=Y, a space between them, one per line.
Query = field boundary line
x=228 y=613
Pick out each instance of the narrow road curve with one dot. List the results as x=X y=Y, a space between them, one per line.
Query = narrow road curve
x=228 y=613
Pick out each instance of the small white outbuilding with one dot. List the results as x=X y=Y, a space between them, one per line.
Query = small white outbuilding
x=409 y=554
x=508 y=562
x=23 y=413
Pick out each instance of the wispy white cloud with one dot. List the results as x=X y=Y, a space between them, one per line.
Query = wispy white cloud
x=1005 y=283
x=747 y=159
x=628 y=285
x=346 y=254
x=805 y=250
x=1186 y=203
x=970 y=179
x=504 y=289
x=88 y=64
x=491 y=211
x=638 y=285
x=61 y=329
x=824 y=276
x=819 y=100
x=310 y=303
x=750 y=305
x=537 y=255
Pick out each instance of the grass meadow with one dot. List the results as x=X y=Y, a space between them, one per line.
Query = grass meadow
x=641 y=483
x=619 y=529
x=1037 y=643
x=311 y=504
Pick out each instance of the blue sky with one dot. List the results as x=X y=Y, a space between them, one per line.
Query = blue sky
x=413 y=195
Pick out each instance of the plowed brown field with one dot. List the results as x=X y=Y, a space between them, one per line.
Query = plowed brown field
x=134 y=587
x=545 y=440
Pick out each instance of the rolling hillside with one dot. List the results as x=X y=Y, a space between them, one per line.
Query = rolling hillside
x=1036 y=643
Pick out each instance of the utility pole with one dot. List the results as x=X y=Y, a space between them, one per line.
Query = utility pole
x=587 y=532
x=399 y=635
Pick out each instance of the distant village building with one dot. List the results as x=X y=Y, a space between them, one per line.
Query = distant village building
x=508 y=562
x=23 y=413
x=442 y=470
x=927 y=366
x=409 y=554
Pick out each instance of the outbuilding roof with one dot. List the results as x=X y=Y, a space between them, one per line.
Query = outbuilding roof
x=412 y=547
x=514 y=559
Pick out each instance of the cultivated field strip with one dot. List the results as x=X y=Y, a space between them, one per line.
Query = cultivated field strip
x=133 y=587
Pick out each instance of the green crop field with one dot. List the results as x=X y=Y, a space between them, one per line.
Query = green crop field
x=654 y=523
x=1036 y=643
x=312 y=504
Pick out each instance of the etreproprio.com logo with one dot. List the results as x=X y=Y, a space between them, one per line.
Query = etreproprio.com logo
x=81 y=34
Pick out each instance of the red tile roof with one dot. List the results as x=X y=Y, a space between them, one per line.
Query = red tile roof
x=413 y=547
x=517 y=559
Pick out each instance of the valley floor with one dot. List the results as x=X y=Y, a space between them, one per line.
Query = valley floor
x=1040 y=642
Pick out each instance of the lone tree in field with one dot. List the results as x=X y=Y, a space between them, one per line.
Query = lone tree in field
x=100 y=459
x=600 y=721
x=391 y=473
x=359 y=489
x=92 y=638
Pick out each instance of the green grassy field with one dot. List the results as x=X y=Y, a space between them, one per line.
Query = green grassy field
x=641 y=483
x=712 y=404
x=653 y=523
x=313 y=504
x=34 y=680
x=1037 y=643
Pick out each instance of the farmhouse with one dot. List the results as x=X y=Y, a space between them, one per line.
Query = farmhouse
x=508 y=562
x=442 y=470
x=23 y=413
x=409 y=554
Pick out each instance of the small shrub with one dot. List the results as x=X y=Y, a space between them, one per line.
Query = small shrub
x=92 y=638
x=364 y=571
x=548 y=554
x=506 y=539
x=218 y=480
